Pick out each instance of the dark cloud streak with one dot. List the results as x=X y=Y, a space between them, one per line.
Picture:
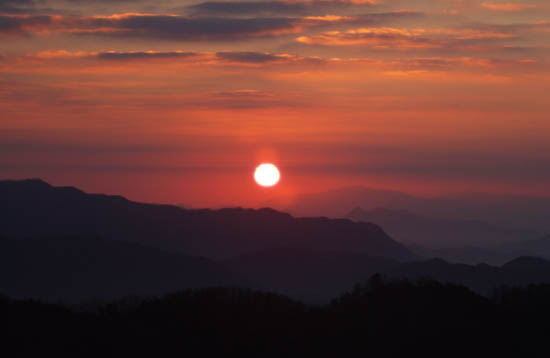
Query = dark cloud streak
x=149 y=26
x=249 y=57
x=257 y=8
x=143 y=55
x=15 y=6
x=18 y=25
x=247 y=8
x=175 y=27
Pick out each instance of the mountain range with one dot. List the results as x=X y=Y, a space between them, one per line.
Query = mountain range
x=464 y=241
x=500 y=210
x=411 y=229
x=59 y=243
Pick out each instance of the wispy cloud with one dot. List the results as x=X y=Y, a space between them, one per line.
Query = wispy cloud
x=375 y=37
x=45 y=62
x=507 y=7
x=415 y=38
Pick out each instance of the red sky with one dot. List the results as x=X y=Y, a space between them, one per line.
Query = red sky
x=177 y=101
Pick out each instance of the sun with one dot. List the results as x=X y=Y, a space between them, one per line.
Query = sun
x=267 y=174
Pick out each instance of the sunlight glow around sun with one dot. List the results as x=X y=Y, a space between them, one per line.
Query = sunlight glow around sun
x=267 y=175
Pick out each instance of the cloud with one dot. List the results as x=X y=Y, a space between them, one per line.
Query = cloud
x=416 y=38
x=462 y=63
x=229 y=57
x=257 y=8
x=15 y=6
x=329 y=18
x=22 y=25
x=58 y=54
x=251 y=57
x=177 y=27
x=170 y=27
x=244 y=99
x=383 y=37
x=365 y=19
x=507 y=7
x=160 y=63
x=26 y=7
x=125 y=56
x=62 y=60
x=231 y=8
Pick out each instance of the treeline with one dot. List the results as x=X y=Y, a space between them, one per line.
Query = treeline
x=378 y=318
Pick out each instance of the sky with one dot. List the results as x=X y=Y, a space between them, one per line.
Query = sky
x=177 y=101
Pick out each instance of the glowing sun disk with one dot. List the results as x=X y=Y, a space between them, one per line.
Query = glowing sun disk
x=267 y=175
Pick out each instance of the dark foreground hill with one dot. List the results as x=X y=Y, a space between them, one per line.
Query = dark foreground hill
x=75 y=268
x=80 y=268
x=308 y=275
x=379 y=319
x=33 y=207
x=317 y=276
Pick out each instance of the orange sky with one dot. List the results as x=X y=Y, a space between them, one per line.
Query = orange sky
x=178 y=101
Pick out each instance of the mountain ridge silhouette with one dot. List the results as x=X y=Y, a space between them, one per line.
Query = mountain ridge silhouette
x=33 y=207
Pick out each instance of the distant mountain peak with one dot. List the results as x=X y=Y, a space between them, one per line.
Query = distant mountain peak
x=356 y=212
x=525 y=262
x=359 y=214
x=30 y=181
